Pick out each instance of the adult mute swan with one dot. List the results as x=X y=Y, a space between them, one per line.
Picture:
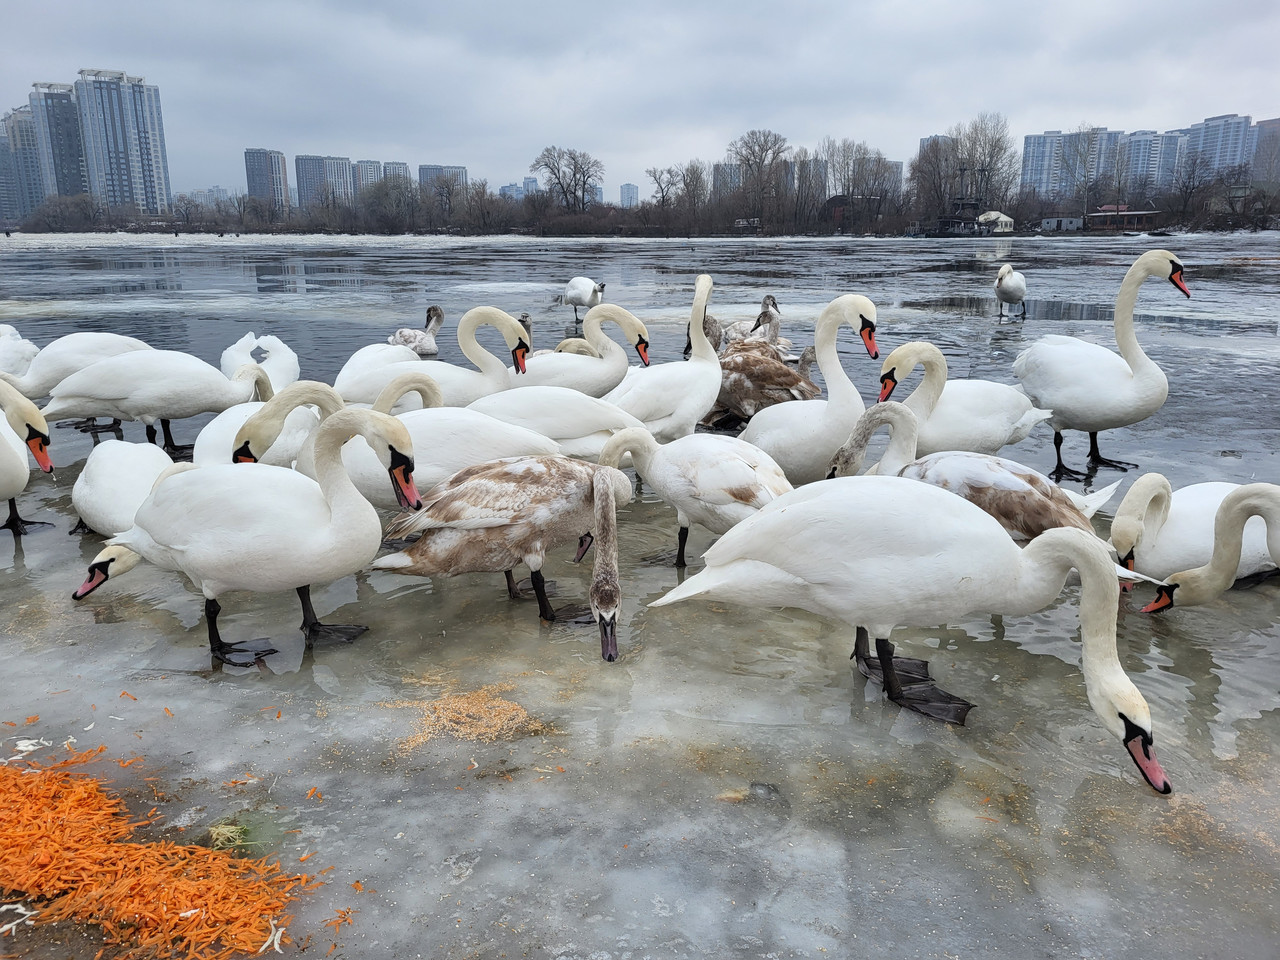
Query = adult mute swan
x=23 y=429
x=422 y=342
x=447 y=438
x=16 y=352
x=803 y=435
x=1159 y=531
x=670 y=398
x=154 y=385
x=1209 y=581
x=115 y=479
x=1026 y=503
x=581 y=292
x=714 y=481
x=1011 y=288
x=459 y=386
x=278 y=360
x=492 y=516
x=580 y=424
x=1088 y=387
x=592 y=375
x=881 y=552
x=262 y=528
x=64 y=356
x=977 y=415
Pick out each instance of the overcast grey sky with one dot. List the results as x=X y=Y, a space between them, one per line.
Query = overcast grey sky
x=489 y=84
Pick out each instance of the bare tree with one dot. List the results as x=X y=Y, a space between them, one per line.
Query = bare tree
x=694 y=192
x=761 y=155
x=933 y=177
x=665 y=184
x=1190 y=184
x=570 y=176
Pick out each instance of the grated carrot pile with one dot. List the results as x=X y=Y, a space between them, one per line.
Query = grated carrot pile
x=63 y=845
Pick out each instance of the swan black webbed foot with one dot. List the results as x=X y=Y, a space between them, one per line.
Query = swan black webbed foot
x=16 y=524
x=924 y=696
x=315 y=630
x=910 y=670
x=233 y=654
x=1096 y=459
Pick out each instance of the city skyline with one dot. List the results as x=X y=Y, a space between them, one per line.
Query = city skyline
x=639 y=88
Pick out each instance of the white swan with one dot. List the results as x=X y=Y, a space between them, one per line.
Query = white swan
x=262 y=528
x=422 y=342
x=881 y=552
x=215 y=443
x=23 y=429
x=1159 y=531
x=16 y=353
x=278 y=360
x=670 y=398
x=115 y=479
x=803 y=435
x=977 y=415
x=493 y=516
x=593 y=375
x=1011 y=288
x=580 y=424
x=1208 y=582
x=447 y=438
x=459 y=386
x=714 y=481
x=581 y=292
x=1090 y=388
x=153 y=385
x=368 y=358
x=64 y=356
x=1026 y=503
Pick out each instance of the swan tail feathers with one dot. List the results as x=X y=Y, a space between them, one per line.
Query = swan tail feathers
x=1091 y=503
x=393 y=561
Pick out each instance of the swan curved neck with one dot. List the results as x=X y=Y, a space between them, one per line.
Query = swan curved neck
x=1237 y=508
x=473 y=320
x=637 y=441
x=900 y=451
x=420 y=383
x=702 y=349
x=924 y=398
x=254 y=374
x=593 y=332
x=339 y=489
x=841 y=393
x=1126 y=300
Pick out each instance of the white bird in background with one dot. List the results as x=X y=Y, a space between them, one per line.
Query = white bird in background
x=1011 y=288
x=277 y=359
x=1090 y=388
x=581 y=292
x=16 y=353
x=116 y=478
x=422 y=342
x=882 y=552
x=23 y=429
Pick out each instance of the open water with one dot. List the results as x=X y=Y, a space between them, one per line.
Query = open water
x=731 y=787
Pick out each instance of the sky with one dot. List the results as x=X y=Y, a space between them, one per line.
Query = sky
x=488 y=85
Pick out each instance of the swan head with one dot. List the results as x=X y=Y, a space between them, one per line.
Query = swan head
x=1004 y=272
x=390 y=441
x=435 y=318
x=902 y=361
x=1162 y=263
x=1189 y=588
x=1125 y=714
x=29 y=424
x=112 y=561
x=606 y=598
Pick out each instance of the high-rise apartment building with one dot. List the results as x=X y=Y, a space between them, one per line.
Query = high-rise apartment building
x=24 y=187
x=1150 y=160
x=629 y=195
x=365 y=173
x=725 y=179
x=395 y=168
x=267 y=177
x=122 y=128
x=429 y=172
x=531 y=185
x=57 y=124
x=322 y=178
x=1225 y=141
x=1056 y=164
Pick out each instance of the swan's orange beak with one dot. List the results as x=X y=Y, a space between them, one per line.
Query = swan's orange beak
x=402 y=481
x=1163 y=600
x=244 y=454
x=868 y=334
x=1127 y=562
x=97 y=577
x=1176 y=279
x=38 y=444
x=518 y=354
x=642 y=348
x=1141 y=748
x=887 y=382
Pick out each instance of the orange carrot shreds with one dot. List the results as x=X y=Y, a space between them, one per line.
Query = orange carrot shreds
x=33 y=718
x=9 y=723
x=126 y=693
x=130 y=762
x=358 y=887
x=168 y=712
x=306 y=856
x=315 y=794
x=339 y=918
x=65 y=846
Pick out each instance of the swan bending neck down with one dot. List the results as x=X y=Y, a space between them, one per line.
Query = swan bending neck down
x=879 y=552
x=597 y=373
x=1208 y=582
x=23 y=429
x=263 y=528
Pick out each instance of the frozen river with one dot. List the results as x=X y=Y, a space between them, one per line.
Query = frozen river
x=730 y=787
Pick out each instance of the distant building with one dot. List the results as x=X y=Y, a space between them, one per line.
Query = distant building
x=726 y=178
x=531 y=185
x=322 y=178
x=1225 y=141
x=1054 y=163
x=1151 y=158
x=122 y=127
x=365 y=173
x=512 y=191
x=23 y=190
x=267 y=176
x=428 y=173
x=395 y=168
x=57 y=125
x=629 y=195
x=597 y=195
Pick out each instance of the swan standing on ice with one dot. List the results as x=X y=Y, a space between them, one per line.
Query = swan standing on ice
x=881 y=552
x=422 y=342
x=1011 y=288
x=23 y=429
x=262 y=528
x=1090 y=388
x=581 y=292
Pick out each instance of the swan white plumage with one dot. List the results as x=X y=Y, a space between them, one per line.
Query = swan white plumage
x=881 y=552
x=263 y=529
x=22 y=430
x=803 y=435
x=278 y=360
x=670 y=398
x=493 y=516
x=581 y=292
x=1239 y=508
x=1011 y=288
x=580 y=424
x=1159 y=531
x=64 y=356
x=447 y=438
x=116 y=478
x=977 y=415
x=1025 y=502
x=459 y=386
x=422 y=342
x=714 y=481
x=215 y=443
x=153 y=385
x=16 y=352
x=592 y=375
x=1090 y=388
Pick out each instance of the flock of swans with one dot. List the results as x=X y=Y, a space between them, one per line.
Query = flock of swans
x=519 y=455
